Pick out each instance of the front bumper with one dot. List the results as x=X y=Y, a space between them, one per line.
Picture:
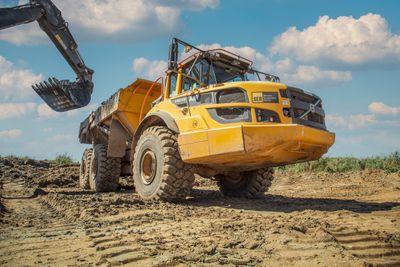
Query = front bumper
x=251 y=146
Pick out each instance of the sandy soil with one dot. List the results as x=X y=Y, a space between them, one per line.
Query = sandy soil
x=309 y=219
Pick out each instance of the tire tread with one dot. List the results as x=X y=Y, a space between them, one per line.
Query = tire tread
x=108 y=171
x=177 y=177
x=84 y=175
x=257 y=184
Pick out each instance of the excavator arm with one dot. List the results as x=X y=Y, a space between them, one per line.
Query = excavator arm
x=60 y=95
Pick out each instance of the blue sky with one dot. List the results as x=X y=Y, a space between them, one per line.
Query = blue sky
x=347 y=52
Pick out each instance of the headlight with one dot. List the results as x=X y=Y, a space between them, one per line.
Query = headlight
x=286 y=112
x=265 y=115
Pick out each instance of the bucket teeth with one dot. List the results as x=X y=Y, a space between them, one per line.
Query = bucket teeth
x=64 y=95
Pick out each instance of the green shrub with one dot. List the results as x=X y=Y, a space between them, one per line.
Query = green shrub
x=12 y=157
x=389 y=163
x=62 y=159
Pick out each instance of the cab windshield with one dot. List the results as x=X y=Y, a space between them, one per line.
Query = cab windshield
x=204 y=72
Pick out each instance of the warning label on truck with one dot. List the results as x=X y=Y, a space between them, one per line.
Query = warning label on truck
x=265 y=97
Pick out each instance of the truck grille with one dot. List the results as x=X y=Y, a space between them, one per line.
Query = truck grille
x=306 y=108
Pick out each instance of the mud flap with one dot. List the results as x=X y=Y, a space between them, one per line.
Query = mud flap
x=117 y=140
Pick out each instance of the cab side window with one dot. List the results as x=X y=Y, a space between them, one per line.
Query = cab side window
x=189 y=84
x=172 y=85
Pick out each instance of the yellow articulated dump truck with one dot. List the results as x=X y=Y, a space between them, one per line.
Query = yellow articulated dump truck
x=213 y=115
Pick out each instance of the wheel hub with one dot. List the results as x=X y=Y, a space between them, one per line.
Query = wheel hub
x=148 y=166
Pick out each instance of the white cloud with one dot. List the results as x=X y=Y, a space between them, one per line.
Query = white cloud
x=15 y=82
x=45 y=112
x=13 y=133
x=382 y=109
x=314 y=75
x=344 y=40
x=16 y=110
x=188 y=4
x=364 y=120
x=114 y=19
x=351 y=121
x=24 y=34
x=148 y=69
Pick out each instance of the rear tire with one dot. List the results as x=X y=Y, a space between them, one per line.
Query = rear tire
x=158 y=170
x=84 y=170
x=104 y=171
x=251 y=184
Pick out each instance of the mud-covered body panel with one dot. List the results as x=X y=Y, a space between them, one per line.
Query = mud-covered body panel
x=252 y=146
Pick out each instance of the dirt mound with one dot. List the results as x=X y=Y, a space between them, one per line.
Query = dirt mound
x=40 y=172
x=59 y=176
x=343 y=185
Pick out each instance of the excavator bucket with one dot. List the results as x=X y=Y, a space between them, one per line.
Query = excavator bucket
x=64 y=95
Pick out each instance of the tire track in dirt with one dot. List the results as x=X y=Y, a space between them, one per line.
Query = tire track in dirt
x=120 y=240
x=211 y=238
x=372 y=247
x=285 y=228
x=33 y=233
x=210 y=229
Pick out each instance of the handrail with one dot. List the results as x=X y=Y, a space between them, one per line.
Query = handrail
x=148 y=93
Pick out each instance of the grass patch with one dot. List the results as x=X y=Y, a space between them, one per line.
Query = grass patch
x=60 y=159
x=63 y=159
x=389 y=163
x=12 y=157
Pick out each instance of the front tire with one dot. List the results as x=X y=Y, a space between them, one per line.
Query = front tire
x=104 y=171
x=252 y=184
x=158 y=170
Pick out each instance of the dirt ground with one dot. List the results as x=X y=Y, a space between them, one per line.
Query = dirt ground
x=310 y=219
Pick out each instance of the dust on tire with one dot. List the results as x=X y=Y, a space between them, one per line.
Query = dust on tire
x=252 y=184
x=104 y=171
x=173 y=178
x=84 y=170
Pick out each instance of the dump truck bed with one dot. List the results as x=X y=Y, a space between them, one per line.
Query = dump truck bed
x=124 y=109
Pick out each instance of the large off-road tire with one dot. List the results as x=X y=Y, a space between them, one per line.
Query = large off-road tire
x=104 y=171
x=84 y=170
x=158 y=170
x=252 y=184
